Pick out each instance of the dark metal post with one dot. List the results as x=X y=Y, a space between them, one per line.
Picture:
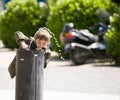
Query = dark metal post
x=29 y=75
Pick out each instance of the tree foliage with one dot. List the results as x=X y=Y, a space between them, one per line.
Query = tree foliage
x=26 y=16
x=112 y=39
x=83 y=14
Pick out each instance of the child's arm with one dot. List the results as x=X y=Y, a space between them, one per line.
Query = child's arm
x=12 y=68
x=21 y=39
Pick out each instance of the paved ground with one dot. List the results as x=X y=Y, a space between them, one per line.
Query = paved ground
x=63 y=81
x=9 y=95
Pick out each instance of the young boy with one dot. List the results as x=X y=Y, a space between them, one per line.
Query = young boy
x=40 y=41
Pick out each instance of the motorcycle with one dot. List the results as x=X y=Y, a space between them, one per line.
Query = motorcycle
x=70 y=35
x=81 y=44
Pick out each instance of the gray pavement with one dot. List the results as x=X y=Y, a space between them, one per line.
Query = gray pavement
x=60 y=84
x=49 y=95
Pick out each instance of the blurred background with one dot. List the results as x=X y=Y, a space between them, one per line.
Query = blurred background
x=28 y=15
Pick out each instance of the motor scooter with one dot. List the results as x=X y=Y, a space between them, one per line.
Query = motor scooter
x=79 y=52
x=70 y=35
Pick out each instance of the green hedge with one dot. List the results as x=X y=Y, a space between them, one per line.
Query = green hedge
x=82 y=13
x=26 y=16
x=113 y=39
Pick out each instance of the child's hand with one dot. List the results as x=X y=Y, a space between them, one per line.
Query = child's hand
x=22 y=44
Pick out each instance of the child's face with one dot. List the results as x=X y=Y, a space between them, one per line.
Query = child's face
x=41 y=43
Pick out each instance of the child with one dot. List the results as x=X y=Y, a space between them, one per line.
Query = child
x=38 y=42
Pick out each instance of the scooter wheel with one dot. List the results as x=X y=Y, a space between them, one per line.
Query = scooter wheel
x=78 y=56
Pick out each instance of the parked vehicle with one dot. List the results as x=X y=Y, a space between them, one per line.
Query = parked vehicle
x=70 y=35
x=81 y=44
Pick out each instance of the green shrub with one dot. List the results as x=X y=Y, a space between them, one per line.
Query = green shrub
x=82 y=13
x=113 y=39
x=26 y=16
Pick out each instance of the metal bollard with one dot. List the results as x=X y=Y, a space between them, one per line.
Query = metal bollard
x=29 y=75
